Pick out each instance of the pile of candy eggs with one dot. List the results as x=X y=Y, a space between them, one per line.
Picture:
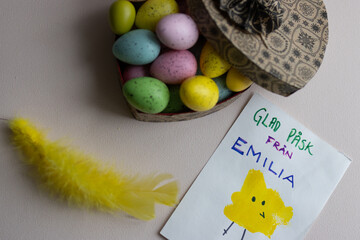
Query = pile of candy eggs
x=168 y=67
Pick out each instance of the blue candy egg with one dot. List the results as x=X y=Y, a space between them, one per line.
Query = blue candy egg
x=137 y=47
x=224 y=92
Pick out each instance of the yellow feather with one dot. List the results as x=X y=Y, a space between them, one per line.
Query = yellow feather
x=84 y=181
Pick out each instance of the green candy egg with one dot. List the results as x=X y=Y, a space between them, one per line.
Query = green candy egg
x=147 y=94
x=121 y=16
x=175 y=104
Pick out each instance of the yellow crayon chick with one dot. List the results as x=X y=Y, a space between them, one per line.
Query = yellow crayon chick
x=257 y=208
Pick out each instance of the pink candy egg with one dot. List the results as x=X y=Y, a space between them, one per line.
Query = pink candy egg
x=173 y=67
x=132 y=71
x=177 y=31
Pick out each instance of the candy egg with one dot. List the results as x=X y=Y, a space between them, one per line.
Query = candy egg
x=152 y=11
x=211 y=63
x=199 y=93
x=147 y=94
x=177 y=31
x=236 y=81
x=175 y=104
x=121 y=16
x=133 y=71
x=137 y=47
x=224 y=92
x=173 y=67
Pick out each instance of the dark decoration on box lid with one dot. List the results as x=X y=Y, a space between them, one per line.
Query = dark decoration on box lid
x=254 y=16
x=282 y=61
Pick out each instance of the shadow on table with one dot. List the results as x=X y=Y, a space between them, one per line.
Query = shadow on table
x=97 y=40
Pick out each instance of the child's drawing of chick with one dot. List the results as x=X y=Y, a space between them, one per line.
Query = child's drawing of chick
x=257 y=208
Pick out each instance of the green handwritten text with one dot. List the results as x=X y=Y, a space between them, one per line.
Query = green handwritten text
x=261 y=116
x=295 y=137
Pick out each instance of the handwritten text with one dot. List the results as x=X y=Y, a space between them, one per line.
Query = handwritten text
x=266 y=163
x=279 y=147
x=295 y=136
x=261 y=116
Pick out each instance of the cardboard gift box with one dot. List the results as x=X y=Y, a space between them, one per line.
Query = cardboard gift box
x=282 y=60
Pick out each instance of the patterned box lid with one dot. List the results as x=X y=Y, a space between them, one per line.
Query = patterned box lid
x=282 y=61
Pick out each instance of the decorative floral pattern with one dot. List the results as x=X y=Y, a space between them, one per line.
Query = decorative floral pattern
x=249 y=46
x=266 y=54
x=323 y=14
x=289 y=1
x=306 y=40
x=306 y=9
x=295 y=17
x=315 y=28
x=305 y=72
x=275 y=73
x=263 y=77
x=317 y=63
x=286 y=29
x=276 y=41
x=287 y=67
x=284 y=60
x=296 y=53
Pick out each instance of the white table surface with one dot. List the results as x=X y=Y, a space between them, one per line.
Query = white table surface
x=57 y=69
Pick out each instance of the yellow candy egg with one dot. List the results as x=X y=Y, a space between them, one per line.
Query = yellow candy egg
x=152 y=11
x=212 y=64
x=121 y=16
x=236 y=81
x=199 y=93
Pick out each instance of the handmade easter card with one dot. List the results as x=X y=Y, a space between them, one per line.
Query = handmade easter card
x=269 y=178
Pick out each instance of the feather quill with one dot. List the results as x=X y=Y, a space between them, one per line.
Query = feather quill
x=82 y=180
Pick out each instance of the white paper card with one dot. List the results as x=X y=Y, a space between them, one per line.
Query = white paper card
x=269 y=178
